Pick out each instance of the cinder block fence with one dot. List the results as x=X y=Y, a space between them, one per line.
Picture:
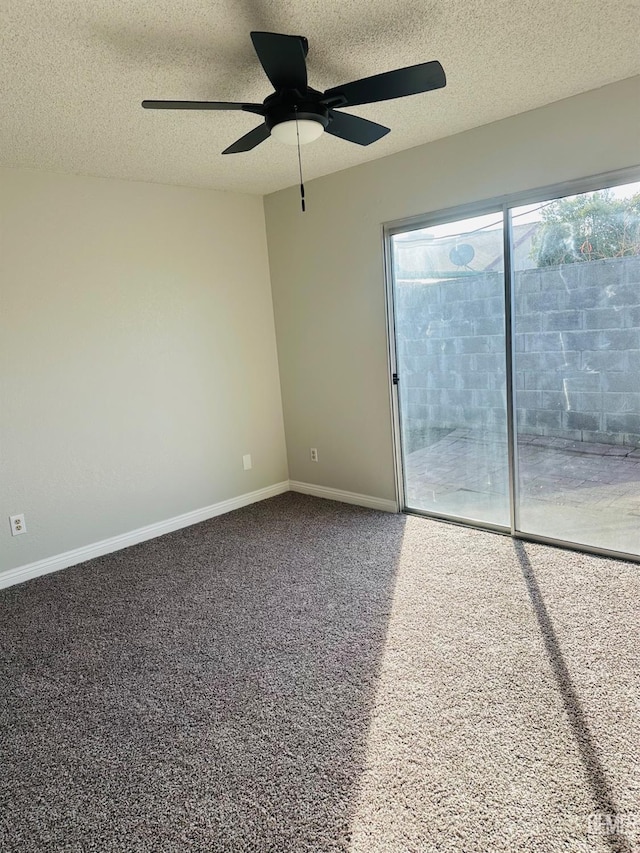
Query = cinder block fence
x=577 y=359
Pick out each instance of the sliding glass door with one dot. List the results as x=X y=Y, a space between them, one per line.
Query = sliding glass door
x=577 y=368
x=449 y=295
x=517 y=354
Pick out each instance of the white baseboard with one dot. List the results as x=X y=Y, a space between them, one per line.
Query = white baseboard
x=124 y=540
x=151 y=531
x=346 y=497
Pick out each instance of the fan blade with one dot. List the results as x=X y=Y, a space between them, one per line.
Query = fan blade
x=283 y=59
x=249 y=140
x=202 y=105
x=390 y=84
x=355 y=129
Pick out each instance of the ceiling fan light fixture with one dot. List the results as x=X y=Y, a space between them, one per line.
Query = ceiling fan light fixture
x=288 y=131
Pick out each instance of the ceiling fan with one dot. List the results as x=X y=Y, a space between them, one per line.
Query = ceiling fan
x=295 y=113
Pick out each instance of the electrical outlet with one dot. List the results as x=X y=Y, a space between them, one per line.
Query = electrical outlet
x=18 y=524
x=314 y=454
x=246 y=462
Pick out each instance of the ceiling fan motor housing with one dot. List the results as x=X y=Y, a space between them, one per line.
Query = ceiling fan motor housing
x=296 y=109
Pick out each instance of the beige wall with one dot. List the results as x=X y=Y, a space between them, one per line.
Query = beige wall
x=138 y=357
x=327 y=265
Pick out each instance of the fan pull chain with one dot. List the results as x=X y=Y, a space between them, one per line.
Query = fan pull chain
x=300 y=165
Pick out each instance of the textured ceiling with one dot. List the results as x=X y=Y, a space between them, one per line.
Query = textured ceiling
x=73 y=73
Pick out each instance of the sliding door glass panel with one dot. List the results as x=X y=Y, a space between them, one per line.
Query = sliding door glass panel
x=450 y=346
x=577 y=368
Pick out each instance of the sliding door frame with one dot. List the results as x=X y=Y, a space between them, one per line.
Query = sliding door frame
x=503 y=205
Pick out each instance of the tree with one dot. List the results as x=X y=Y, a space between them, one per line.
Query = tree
x=588 y=227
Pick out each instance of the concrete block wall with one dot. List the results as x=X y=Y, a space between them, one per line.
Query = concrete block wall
x=577 y=363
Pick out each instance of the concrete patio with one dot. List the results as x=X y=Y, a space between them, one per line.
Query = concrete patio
x=570 y=490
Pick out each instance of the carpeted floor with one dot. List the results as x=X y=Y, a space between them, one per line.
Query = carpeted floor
x=303 y=675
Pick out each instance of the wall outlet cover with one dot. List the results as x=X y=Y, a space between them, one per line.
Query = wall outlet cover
x=18 y=524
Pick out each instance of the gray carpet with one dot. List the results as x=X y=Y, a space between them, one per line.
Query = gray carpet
x=303 y=675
